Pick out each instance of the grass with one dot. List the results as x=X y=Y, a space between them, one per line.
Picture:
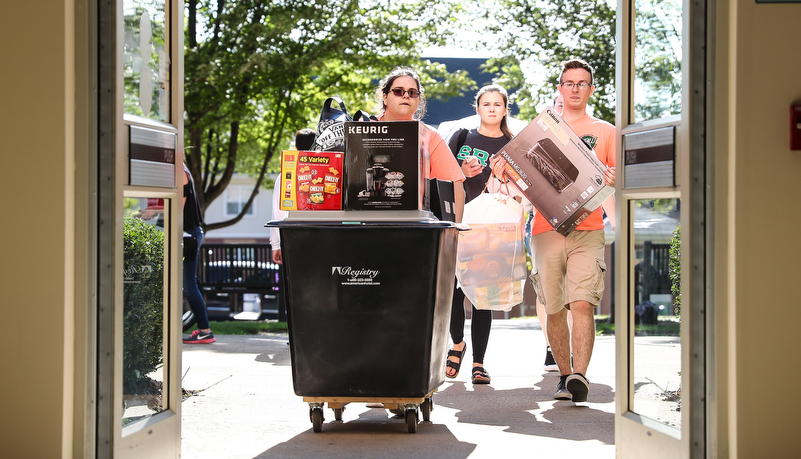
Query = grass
x=665 y=326
x=245 y=327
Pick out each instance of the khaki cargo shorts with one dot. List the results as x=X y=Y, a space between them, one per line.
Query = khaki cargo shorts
x=568 y=269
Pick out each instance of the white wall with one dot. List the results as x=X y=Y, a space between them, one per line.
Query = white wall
x=251 y=227
x=756 y=245
x=43 y=133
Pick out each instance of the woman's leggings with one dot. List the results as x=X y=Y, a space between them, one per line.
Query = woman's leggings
x=479 y=326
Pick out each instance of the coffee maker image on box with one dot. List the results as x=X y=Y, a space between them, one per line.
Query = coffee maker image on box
x=552 y=164
x=376 y=175
x=380 y=180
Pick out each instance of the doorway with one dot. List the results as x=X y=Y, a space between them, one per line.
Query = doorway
x=663 y=192
x=139 y=228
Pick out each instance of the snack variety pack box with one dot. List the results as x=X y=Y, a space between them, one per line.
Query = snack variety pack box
x=311 y=180
x=556 y=171
x=385 y=166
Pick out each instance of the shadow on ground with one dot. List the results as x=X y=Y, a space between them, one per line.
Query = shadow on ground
x=533 y=411
x=382 y=433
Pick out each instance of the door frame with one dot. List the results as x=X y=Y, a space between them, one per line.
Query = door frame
x=636 y=435
x=160 y=434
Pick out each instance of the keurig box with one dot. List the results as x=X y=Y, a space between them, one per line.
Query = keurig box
x=385 y=166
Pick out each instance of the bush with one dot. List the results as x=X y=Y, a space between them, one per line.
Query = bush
x=674 y=270
x=143 y=299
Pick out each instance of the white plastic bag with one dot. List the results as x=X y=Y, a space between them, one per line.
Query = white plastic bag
x=491 y=260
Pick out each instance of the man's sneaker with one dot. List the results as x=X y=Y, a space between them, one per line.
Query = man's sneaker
x=550 y=363
x=561 y=389
x=198 y=337
x=579 y=386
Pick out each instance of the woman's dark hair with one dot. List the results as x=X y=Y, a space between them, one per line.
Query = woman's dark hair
x=499 y=89
x=389 y=80
x=304 y=139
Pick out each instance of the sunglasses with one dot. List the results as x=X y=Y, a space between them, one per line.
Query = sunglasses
x=413 y=93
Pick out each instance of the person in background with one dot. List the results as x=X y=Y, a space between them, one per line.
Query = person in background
x=569 y=271
x=550 y=363
x=401 y=98
x=473 y=149
x=194 y=297
x=559 y=103
x=304 y=139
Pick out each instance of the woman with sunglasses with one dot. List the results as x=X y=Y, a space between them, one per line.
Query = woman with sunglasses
x=401 y=98
x=473 y=149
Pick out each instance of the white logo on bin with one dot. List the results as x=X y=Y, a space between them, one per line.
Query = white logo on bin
x=356 y=276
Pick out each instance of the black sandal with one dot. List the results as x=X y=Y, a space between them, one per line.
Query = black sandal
x=455 y=365
x=480 y=376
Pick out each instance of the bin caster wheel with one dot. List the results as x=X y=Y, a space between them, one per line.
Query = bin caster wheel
x=316 y=415
x=411 y=420
x=427 y=407
x=338 y=413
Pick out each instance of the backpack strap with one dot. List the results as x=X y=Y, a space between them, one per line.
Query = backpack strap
x=462 y=138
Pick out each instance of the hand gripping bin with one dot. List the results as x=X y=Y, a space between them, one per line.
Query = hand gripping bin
x=368 y=310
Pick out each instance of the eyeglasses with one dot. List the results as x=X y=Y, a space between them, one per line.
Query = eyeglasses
x=413 y=93
x=580 y=85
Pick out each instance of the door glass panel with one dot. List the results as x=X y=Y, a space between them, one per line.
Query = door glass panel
x=146 y=59
x=657 y=59
x=143 y=312
x=656 y=308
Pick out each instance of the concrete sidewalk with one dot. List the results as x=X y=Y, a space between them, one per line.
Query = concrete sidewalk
x=247 y=408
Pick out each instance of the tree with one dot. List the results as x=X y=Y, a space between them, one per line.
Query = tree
x=256 y=71
x=657 y=90
x=542 y=34
x=674 y=270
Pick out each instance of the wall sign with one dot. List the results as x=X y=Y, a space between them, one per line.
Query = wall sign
x=152 y=157
x=649 y=158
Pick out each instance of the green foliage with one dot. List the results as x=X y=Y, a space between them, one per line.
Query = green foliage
x=665 y=326
x=256 y=71
x=657 y=91
x=664 y=206
x=239 y=327
x=143 y=299
x=135 y=68
x=536 y=33
x=674 y=269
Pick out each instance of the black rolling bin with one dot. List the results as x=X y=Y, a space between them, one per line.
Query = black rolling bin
x=368 y=310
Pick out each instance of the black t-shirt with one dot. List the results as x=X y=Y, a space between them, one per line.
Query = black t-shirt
x=483 y=148
x=191 y=207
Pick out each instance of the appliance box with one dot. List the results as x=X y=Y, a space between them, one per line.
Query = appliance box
x=311 y=180
x=385 y=165
x=556 y=171
x=441 y=200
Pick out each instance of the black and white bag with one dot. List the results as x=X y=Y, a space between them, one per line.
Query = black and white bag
x=331 y=127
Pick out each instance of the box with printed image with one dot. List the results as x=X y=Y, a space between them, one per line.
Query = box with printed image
x=556 y=171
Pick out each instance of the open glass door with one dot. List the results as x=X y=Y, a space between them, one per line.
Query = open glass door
x=140 y=195
x=660 y=326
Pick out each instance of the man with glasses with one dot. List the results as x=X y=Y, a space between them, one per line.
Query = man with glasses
x=569 y=271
